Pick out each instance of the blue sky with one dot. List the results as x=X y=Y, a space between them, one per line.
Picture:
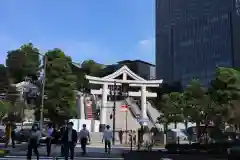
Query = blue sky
x=103 y=30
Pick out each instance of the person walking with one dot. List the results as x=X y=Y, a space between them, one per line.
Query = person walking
x=84 y=136
x=120 y=135
x=134 y=138
x=69 y=141
x=62 y=131
x=49 y=139
x=10 y=133
x=107 y=137
x=33 y=142
x=7 y=133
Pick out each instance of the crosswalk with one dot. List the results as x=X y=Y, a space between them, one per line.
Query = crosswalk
x=57 y=158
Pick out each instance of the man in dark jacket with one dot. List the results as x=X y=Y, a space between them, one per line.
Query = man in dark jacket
x=62 y=131
x=69 y=141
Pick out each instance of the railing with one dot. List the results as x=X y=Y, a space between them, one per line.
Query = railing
x=133 y=108
x=148 y=114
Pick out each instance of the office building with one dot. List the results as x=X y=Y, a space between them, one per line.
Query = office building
x=193 y=37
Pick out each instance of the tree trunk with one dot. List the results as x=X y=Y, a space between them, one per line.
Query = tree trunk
x=175 y=125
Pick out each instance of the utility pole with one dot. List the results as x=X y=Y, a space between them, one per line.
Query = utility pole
x=43 y=90
x=114 y=111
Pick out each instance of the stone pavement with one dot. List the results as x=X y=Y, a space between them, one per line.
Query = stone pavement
x=93 y=152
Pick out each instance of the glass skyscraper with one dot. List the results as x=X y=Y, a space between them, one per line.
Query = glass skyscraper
x=193 y=37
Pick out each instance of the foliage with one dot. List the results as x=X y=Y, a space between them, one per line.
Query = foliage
x=88 y=67
x=225 y=91
x=7 y=91
x=218 y=103
x=171 y=107
x=194 y=96
x=60 y=86
x=4 y=82
x=91 y=67
x=23 y=62
x=5 y=107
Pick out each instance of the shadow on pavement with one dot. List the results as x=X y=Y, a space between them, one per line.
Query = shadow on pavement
x=146 y=155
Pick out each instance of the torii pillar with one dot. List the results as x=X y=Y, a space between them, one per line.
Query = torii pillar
x=103 y=112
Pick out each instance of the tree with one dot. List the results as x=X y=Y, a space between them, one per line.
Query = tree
x=23 y=62
x=60 y=86
x=88 y=67
x=4 y=82
x=91 y=67
x=194 y=95
x=4 y=108
x=7 y=91
x=225 y=92
x=171 y=109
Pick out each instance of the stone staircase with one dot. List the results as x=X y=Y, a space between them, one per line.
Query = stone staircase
x=124 y=120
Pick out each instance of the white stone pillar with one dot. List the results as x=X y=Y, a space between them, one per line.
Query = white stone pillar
x=124 y=76
x=143 y=105
x=103 y=113
x=80 y=105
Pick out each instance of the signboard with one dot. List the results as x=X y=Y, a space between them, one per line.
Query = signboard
x=124 y=108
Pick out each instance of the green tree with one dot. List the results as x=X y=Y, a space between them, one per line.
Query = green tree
x=92 y=68
x=194 y=94
x=6 y=89
x=4 y=81
x=88 y=67
x=171 y=108
x=225 y=92
x=3 y=109
x=23 y=62
x=60 y=86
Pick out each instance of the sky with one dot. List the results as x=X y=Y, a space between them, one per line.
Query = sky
x=106 y=31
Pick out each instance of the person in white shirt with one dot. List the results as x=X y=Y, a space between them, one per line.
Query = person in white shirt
x=84 y=137
x=34 y=142
x=107 y=137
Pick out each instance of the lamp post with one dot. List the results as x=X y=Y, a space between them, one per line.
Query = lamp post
x=43 y=90
x=114 y=94
x=124 y=93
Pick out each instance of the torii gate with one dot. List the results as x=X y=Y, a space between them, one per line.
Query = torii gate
x=136 y=82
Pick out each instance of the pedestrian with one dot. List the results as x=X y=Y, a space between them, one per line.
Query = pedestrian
x=10 y=133
x=49 y=138
x=84 y=136
x=107 y=136
x=69 y=141
x=62 y=131
x=33 y=142
x=120 y=135
x=134 y=137
x=130 y=134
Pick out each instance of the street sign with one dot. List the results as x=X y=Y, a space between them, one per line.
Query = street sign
x=124 y=108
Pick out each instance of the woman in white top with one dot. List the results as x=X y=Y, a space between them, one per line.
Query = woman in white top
x=33 y=142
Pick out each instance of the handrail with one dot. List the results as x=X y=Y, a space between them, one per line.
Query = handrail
x=149 y=115
x=133 y=108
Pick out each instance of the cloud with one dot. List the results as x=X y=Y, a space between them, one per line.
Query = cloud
x=147 y=46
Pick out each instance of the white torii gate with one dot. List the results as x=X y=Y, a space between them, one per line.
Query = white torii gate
x=136 y=82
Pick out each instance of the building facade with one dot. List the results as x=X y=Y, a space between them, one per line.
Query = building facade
x=141 y=68
x=193 y=37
